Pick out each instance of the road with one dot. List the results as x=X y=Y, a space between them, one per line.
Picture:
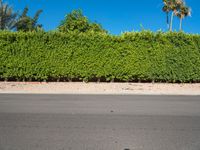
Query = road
x=97 y=122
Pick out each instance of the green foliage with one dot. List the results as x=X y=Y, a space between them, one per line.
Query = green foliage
x=77 y=22
x=7 y=17
x=26 y=23
x=136 y=56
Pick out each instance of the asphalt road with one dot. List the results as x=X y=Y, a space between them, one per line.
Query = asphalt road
x=83 y=122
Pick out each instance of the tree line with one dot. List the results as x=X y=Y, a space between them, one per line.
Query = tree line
x=10 y=20
x=76 y=21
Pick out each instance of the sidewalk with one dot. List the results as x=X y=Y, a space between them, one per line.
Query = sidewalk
x=99 y=88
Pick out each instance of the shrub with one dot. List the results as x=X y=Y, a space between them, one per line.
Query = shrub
x=137 y=56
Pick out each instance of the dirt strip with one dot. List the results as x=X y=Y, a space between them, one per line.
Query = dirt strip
x=99 y=88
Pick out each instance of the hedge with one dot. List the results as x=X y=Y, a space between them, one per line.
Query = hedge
x=136 y=56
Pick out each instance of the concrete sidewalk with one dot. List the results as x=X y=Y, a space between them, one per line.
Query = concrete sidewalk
x=99 y=88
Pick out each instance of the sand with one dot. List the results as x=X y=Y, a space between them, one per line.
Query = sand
x=99 y=88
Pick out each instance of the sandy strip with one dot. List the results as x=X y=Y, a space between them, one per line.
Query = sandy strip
x=99 y=88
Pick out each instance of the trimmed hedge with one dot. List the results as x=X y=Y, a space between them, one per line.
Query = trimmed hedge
x=138 y=56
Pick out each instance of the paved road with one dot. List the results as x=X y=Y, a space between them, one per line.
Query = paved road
x=83 y=122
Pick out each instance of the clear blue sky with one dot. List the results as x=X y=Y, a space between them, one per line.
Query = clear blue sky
x=116 y=16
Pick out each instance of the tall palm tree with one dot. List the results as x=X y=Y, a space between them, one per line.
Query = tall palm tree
x=175 y=7
x=183 y=12
x=7 y=17
x=166 y=9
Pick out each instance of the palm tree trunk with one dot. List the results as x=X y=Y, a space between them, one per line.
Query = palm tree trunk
x=171 y=22
x=168 y=21
x=181 y=20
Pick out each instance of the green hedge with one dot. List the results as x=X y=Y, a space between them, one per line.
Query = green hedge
x=137 y=56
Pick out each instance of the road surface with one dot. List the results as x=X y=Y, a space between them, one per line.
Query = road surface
x=94 y=122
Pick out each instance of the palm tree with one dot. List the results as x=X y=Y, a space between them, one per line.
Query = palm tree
x=26 y=23
x=183 y=12
x=171 y=6
x=166 y=9
x=175 y=7
x=7 y=17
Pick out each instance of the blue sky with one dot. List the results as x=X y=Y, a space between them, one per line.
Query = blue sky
x=116 y=16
